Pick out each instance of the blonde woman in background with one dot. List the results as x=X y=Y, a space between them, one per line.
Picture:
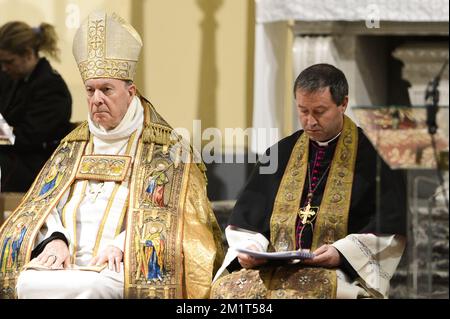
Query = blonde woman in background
x=34 y=100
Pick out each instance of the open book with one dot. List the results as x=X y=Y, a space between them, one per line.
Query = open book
x=35 y=266
x=283 y=255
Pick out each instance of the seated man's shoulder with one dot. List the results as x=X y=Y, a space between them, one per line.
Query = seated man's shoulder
x=154 y=117
x=159 y=131
x=286 y=144
x=80 y=132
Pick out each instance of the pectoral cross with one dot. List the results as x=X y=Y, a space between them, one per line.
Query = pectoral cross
x=241 y=282
x=306 y=213
x=94 y=190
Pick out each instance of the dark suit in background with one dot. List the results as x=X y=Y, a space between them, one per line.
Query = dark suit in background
x=38 y=108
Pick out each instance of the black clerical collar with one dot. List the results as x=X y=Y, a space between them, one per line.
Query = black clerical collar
x=326 y=143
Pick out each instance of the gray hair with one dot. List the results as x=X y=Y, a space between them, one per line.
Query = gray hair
x=128 y=82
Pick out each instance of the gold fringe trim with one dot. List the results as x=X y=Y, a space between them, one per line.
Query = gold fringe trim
x=158 y=134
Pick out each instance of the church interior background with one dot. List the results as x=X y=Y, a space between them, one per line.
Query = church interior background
x=232 y=64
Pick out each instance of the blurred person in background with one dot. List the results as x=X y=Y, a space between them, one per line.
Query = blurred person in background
x=34 y=101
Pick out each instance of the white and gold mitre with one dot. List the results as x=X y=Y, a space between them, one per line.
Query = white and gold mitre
x=106 y=46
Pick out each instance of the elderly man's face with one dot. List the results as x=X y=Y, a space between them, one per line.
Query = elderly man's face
x=319 y=115
x=108 y=100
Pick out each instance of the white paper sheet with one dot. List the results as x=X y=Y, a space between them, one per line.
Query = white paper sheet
x=283 y=255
